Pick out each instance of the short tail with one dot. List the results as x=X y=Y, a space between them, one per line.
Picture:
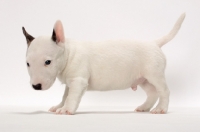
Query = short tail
x=160 y=42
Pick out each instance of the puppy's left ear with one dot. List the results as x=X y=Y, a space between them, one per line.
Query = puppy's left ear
x=58 y=33
x=29 y=38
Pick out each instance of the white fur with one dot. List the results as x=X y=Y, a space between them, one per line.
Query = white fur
x=107 y=65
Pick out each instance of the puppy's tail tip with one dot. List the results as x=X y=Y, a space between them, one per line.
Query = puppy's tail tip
x=160 y=42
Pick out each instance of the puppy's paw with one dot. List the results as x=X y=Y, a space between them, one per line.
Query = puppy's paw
x=159 y=110
x=142 y=108
x=54 y=108
x=63 y=110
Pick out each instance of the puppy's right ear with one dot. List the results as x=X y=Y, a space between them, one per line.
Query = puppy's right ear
x=29 y=38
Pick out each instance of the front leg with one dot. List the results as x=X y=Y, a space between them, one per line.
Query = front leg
x=61 y=104
x=77 y=87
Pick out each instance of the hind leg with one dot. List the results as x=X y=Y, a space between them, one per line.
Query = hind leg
x=152 y=97
x=158 y=81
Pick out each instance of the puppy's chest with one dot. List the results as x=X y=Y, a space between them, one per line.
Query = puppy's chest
x=62 y=78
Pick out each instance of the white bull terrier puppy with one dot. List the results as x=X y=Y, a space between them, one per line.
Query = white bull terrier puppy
x=100 y=66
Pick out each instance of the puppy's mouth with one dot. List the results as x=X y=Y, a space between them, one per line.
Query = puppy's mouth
x=48 y=84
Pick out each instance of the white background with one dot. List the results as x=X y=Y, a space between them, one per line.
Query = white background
x=100 y=20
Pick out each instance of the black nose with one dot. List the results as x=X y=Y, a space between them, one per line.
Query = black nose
x=37 y=86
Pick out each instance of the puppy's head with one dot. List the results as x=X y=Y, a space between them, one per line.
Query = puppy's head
x=45 y=57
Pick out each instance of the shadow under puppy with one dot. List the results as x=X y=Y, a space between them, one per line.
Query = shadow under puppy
x=101 y=66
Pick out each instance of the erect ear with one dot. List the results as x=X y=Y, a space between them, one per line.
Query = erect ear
x=58 y=33
x=29 y=38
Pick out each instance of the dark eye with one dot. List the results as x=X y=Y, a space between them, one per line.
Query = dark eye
x=47 y=62
x=28 y=64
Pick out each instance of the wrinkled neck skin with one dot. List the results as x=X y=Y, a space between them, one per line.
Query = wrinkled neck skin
x=63 y=59
x=63 y=62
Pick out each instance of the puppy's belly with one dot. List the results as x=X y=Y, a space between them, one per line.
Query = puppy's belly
x=109 y=75
x=114 y=83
